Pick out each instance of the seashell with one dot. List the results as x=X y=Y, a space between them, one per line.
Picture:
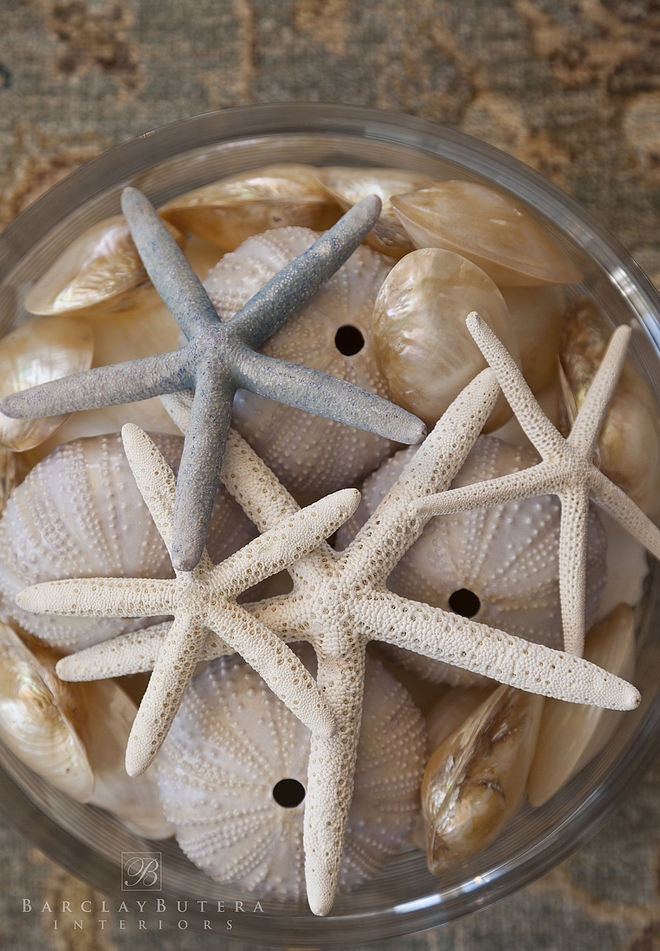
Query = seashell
x=332 y=332
x=79 y=514
x=100 y=272
x=12 y=471
x=452 y=709
x=490 y=227
x=474 y=782
x=423 y=347
x=233 y=769
x=230 y=210
x=629 y=445
x=74 y=735
x=537 y=314
x=498 y=564
x=41 y=350
x=349 y=185
x=572 y=734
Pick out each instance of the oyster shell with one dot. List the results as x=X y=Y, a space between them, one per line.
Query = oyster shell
x=332 y=332
x=452 y=709
x=230 y=210
x=537 y=314
x=233 y=769
x=490 y=227
x=79 y=514
x=349 y=185
x=474 y=782
x=100 y=272
x=423 y=347
x=572 y=734
x=41 y=350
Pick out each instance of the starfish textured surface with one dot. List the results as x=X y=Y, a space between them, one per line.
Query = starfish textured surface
x=339 y=603
x=201 y=601
x=566 y=469
x=219 y=358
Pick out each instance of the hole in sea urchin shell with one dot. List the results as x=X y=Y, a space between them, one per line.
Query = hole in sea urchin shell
x=288 y=793
x=349 y=340
x=464 y=602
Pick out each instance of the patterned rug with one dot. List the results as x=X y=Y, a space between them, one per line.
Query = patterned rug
x=572 y=87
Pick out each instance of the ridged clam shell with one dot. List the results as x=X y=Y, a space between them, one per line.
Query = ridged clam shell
x=101 y=271
x=423 y=347
x=572 y=734
x=230 y=210
x=349 y=185
x=474 y=782
x=79 y=514
x=233 y=741
x=39 y=351
x=309 y=454
x=505 y=555
x=628 y=449
x=489 y=227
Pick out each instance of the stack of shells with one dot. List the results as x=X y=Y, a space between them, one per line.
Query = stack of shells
x=230 y=780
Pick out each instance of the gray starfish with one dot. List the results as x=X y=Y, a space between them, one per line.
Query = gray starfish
x=218 y=359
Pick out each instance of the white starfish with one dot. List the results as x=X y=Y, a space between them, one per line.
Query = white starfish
x=566 y=469
x=339 y=602
x=201 y=600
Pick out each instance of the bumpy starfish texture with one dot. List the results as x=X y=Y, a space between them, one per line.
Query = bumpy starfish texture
x=339 y=603
x=219 y=358
x=566 y=469
x=201 y=601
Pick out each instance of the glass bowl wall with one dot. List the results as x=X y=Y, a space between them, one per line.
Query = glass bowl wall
x=405 y=898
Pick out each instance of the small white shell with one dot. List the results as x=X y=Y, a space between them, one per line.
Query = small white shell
x=230 y=210
x=79 y=514
x=572 y=733
x=230 y=745
x=488 y=226
x=332 y=332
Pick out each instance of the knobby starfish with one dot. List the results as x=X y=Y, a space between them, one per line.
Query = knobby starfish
x=566 y=469
x=202 y=600
x=219 y=358
x=339 y=603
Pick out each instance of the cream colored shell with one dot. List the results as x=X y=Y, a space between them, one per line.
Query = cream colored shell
x=233 y=741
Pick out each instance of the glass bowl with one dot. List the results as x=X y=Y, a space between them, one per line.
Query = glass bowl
x=405 y=898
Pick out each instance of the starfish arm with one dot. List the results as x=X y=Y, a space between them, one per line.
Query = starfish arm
x=153 y=476
x=284 y=616
x=536 y=425
x=586 y=428
x=573 y=567
x=293 y=538
x=131 y=653
x=199 y=469
x=622 y=508
x=100 y=597
x=255 y=487
x=171 y=675
x=291 y=287
x=103 y=386
x=434 y=465
x=540 y=479
x=276 y=664
x=330 y=777
x=179 y=287
x=511 y=660
x=323 y=395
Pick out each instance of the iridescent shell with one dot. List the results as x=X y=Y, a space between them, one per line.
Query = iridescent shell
x=100 y=272
x=423 y=347
x=332 y=332
x=497 y=564
x=349 y=185
x=488 y=226
x=230 y=210
x=537 y=314
x=629 y=444
x=233 y=769
x=39 y=351
x=79 y=514
x=572 y=733
x=474 y=782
